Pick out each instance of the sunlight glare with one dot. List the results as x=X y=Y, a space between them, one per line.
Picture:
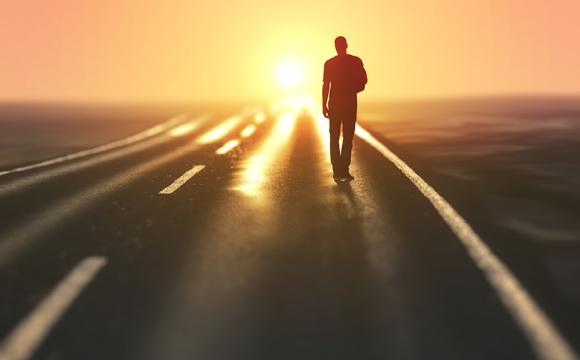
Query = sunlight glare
x=254 y=170
x=290 y=73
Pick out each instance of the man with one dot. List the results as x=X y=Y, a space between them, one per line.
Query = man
x=344 y=77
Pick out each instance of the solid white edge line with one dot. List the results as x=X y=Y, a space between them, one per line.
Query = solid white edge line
x=544 y=338
x=182 y=180
x=155 y=130
x=23 y=341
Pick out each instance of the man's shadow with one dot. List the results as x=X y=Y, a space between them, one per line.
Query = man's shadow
x=345 y=188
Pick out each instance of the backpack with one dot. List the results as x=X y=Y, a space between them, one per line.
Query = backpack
x=360 y=79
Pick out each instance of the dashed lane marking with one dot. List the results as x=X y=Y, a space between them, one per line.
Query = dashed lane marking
x=248 y=131
x=182 y=180
x=227 y=147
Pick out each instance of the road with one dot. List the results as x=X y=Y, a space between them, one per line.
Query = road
x=224 y=236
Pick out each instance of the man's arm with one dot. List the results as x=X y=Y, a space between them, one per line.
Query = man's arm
x=325 y=91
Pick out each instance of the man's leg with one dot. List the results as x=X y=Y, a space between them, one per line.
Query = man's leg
x=334 y=122
x=348 y=126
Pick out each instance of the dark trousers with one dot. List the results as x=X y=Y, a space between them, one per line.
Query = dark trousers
x=346 y=120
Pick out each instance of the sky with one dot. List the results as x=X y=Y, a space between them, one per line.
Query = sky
x=216 y=50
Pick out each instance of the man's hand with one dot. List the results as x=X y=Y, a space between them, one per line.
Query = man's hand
x=325 y=92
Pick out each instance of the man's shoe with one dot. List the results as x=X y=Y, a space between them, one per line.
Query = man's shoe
x=342 y=178
x=348 y=176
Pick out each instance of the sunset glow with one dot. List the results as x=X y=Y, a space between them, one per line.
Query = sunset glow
x=216 y=50
x=290 y=73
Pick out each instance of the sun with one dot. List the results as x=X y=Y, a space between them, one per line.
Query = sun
x=290 y=73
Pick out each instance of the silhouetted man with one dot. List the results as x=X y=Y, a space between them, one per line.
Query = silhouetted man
x=344 y=77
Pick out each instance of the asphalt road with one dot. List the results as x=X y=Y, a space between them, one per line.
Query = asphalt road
x=225 y=237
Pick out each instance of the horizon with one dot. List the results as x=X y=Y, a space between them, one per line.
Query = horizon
x=233 y=101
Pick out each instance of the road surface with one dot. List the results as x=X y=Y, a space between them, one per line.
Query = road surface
x=225 y=237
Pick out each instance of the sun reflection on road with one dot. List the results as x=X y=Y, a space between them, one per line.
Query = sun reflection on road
x=255 y=169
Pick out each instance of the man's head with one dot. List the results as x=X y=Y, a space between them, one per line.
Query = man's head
x=340 y=45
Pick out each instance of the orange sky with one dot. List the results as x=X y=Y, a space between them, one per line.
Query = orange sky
x=118 y=50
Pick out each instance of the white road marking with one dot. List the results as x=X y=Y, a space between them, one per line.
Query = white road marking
x=545 y=339
x=260 y=117
x=182 y=180
x=220 y=131
x=248 y=131
x=184 y=129
x=102 y=148
x=227 y=147
x=35 y=179
x=21 y=343
x=31 y=230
